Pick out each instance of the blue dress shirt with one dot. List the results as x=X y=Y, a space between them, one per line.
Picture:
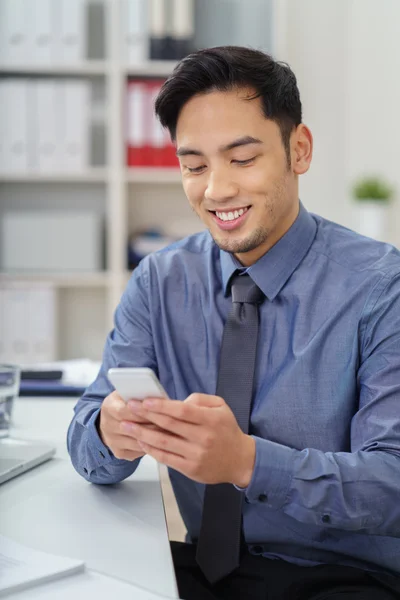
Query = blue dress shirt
x=326 y=406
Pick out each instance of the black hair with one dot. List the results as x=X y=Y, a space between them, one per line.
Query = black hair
x=224 y=68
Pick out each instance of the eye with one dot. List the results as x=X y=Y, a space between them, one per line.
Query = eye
x=195 y=169
x=244 y=162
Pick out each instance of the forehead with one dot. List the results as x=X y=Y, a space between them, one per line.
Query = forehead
x=229 y=113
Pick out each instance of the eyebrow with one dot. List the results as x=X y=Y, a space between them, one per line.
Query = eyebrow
x=242 y=141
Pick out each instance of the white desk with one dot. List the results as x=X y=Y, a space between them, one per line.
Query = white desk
x=119 y=530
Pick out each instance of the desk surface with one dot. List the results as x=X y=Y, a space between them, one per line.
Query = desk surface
x=119 y=530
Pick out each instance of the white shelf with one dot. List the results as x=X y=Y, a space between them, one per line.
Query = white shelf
x=95 y=67
x=151 y=68
x=153 y=175
x=90 y=175
x=62 y=280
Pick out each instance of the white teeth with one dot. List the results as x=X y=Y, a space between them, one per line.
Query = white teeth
x=230 y=215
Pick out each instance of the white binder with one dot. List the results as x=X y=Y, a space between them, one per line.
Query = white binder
x=3 y=127
x=183 y=19
x=16 y=336
x=46 y=126
x=135 y=28
x=29 y=322
x=14 y=31
x=14 y=100
x=42 y=33
x=71 y=30
x=75 y=107
x=42 y=323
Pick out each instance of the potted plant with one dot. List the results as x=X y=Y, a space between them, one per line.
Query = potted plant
x=373 y=196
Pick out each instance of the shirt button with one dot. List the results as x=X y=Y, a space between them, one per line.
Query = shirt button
x=246 y=500
x=258 y=549
x=262 y=498
x=85 y=470
x=326 y=519
x=101 y=454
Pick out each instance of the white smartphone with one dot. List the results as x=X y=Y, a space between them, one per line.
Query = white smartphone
x=138 y=383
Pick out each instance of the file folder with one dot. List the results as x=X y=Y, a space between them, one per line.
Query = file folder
x=135 y=27
x=42 y=47
x=14 y=31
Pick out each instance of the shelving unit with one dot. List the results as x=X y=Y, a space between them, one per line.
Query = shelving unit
x=90 y=68
x=131 y=199
x=93 y=174
x=122 y=188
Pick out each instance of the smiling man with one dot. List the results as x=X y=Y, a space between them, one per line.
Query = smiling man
x=276 y=334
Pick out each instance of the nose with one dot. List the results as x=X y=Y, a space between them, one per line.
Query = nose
x=220 y=186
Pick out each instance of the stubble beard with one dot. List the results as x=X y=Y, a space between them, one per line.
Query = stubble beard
x=260 y=235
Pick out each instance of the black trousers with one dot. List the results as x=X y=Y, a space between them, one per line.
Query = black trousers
x=260 y=578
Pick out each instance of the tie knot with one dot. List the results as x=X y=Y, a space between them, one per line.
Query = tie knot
x=245 y=290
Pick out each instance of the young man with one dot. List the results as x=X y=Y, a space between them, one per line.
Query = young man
x=278 y=332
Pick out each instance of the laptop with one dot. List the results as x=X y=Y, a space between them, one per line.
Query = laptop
x=18 y=456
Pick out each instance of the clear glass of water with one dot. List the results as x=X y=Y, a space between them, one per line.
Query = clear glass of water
x=9 y=389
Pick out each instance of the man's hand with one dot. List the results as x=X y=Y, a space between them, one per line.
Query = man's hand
x=199 y=437
x=113 y=412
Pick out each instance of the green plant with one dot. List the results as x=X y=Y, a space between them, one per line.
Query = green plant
x=372 y=188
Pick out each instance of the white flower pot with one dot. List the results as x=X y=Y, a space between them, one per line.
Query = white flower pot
x=372 y=218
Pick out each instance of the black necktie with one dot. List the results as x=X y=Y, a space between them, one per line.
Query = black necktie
x=218 y=548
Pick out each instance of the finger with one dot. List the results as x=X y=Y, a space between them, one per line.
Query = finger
x=125 y=430
x=182 y=411
x=136 y=410
x=183 y=429
x=163 y=440
x=120 y=412
x=165 y=457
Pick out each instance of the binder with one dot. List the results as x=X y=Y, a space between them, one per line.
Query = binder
x=42 y=33
x=137 y=134
x=135 y=28
x=46 y=126
x=182 y=30
x=158 y=30
x=42 y=323
x=74 y=111
x=15 y=125
x=29 y=323
x=3 y=126
x=16 y=340
x=14 y=31
x=71 y=31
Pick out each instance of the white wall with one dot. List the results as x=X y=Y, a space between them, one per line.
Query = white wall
x=346 y=56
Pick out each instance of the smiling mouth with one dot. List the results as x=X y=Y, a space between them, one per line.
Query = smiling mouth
x=230 y=215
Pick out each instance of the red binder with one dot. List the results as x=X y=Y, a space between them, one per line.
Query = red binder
x=148 y=143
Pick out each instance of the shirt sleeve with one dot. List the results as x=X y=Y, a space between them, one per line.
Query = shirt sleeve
x=129 y=344
x=357 y=490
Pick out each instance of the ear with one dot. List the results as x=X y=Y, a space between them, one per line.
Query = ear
x=301 y=149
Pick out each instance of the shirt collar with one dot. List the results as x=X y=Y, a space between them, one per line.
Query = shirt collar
x=274 y=268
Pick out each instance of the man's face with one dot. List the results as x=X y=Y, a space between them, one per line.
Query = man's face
x=235 y=172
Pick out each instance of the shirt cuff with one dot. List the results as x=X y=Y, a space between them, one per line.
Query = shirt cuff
x=272 y=474
x=101 y=454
